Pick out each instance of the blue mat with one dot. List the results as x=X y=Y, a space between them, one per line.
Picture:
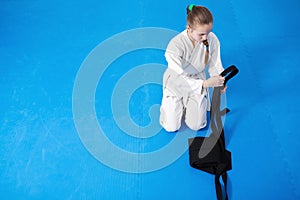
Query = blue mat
x=80 y=91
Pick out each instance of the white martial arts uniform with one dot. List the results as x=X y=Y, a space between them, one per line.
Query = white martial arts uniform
x=182 y=82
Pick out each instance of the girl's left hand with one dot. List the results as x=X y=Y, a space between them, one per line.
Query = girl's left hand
x=223 y=90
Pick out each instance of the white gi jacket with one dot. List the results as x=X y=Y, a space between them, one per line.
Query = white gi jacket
x=186 y=68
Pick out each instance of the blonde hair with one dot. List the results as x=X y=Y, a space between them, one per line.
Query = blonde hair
x=198 y=15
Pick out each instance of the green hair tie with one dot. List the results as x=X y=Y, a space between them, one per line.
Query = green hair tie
x=191 y=7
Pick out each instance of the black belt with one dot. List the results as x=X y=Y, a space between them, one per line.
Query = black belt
x=209 y=153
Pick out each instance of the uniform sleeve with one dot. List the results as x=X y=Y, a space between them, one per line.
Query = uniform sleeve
x=215 y=66
x=173 y=56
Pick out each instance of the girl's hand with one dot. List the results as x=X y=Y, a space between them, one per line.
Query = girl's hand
x=214 y=81
x=223 y=90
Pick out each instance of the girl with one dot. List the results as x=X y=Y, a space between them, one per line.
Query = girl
x=184 y=82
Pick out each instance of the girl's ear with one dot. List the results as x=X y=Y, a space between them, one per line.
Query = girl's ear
x=188 y=27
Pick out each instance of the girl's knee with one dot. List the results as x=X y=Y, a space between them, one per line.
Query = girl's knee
x=170 y=127
x=196 y=125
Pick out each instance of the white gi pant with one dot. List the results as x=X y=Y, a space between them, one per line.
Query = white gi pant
x=179 y=100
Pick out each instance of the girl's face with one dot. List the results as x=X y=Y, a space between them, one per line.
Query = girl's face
x=199 y=32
